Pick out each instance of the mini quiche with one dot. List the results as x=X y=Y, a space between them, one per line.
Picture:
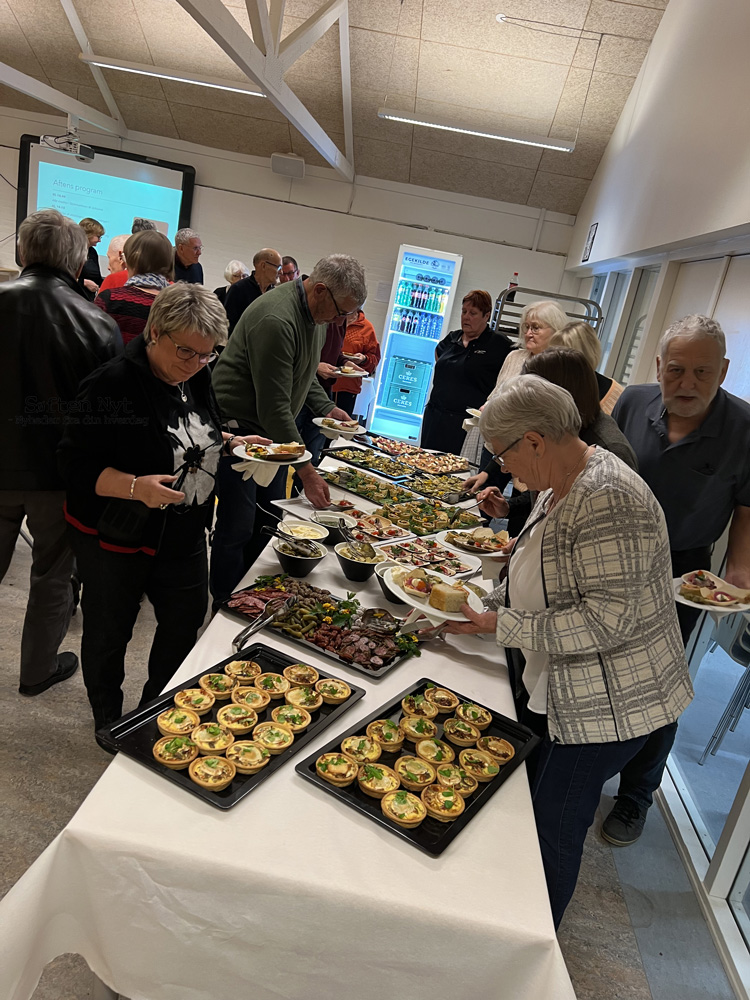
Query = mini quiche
x=274 y=736
x=211 y=738
x=196 y=699
x=463 y=734
x=501 y=750
x=332 y=690
x=300 y=675
x=337 y=769
x=238 y=719
x=443 y=699
x=252 y=697
x=451 y=776
x=177 y=722
x=478 y=764
x=387 y=733
x=403 y=808
x=417 y=704
x=304 y=697
x=434 y=751
x=213 y=773
x=467 y=711
x=274 y=685
x=219 y=685
x=175 y=752
x=289 y=715
x=414 y=728
x=377 y=779
x=248 y=757
x=443 y=804
x=242 y=671
x=415 y=773
x=364 y=749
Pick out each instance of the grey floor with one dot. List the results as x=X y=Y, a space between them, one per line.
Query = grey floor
x=632 y=932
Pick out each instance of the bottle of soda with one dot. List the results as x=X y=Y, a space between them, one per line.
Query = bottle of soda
x=396 y=319
x=512 y=284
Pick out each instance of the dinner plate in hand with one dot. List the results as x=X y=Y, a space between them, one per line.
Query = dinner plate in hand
x=343 y=432
x=240 y=452
x=729 y=609
x=442 y=537
x=422 y=604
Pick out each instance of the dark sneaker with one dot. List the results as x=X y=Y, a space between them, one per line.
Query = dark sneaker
x=625 y=823
x=67 y=664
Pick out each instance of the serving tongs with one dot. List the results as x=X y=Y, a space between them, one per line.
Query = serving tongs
x=302 y=547
x=276 y=607
x=357 y=547
x=379 y=620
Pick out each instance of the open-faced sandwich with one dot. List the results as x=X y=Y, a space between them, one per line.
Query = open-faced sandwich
x=219 y=685
x=332 y=690
x=363 y=749
x=453 y=776
x=177 y=722
x=499 y=749
x=199 y=701
x=274 y=685
x=247 y=756
x=483 y=541
x=212 y=738
x=389 y=735
x=461 y=733
x=415 y=773
x=289 y=715
x=443 y=699
x=703 y=587
x=434 y=751
x=274 y=736
x=238 y=719
x=300 y=675
x=415 y=727
x=403 y=808
x=448 y=597
x=443 y=804
x=479 y=764
x=337 y=769
x=304 y=697
x=480 y=717
x=242 y=671
x=415 y=582
x=417 y=704
x=377 y=779
x=252 y=697
x=213 y=773
x=175 y=752
x=340 y=425
x=275 y=452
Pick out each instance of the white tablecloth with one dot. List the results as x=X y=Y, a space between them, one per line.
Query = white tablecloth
x=291 y=894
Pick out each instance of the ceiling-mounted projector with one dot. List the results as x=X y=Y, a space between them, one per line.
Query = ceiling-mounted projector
x=70 y=144
x=288 y=164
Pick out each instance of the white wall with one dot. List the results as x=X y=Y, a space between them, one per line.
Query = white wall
x=676 y=167
x=241 y=206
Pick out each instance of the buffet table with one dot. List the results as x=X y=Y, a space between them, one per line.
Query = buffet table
x=291 y=894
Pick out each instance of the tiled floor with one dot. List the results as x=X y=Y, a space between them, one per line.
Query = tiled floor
x=619 y=933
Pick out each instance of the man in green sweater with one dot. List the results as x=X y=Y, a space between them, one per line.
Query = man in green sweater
x=262 y=380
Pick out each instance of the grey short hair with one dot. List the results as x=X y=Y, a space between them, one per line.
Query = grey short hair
x=544 y=311
x=141 y=226
x=184 y=308
x=183 y=236
x=50 y=238
x=694 y=327
x=529 y=403
x=118 y=242
x=579 y=336
x=343 y=275
x=235 y=267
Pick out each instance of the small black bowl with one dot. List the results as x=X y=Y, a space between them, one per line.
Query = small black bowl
x=334 y=533
x=354 y=570
x=390 y=595
x=299 y=566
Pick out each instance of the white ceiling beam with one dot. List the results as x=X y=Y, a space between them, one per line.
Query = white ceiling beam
x=16 y=80
x=346 y=82
x=260 y=25
x=267 y=71
x=78 y=30
x=162 y=73
x=276 y=18
x=307 y=34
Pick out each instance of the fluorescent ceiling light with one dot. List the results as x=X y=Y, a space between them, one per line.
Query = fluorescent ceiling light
x=143 y=69
x=559 y=145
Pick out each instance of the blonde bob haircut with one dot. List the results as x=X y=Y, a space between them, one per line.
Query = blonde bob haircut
x=545 y=311
x=184 y=308
x=529 y=403
x=579 y=336
x=91 y=227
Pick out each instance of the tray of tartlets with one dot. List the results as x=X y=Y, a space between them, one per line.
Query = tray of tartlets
x=221 y=733
x=422 y=765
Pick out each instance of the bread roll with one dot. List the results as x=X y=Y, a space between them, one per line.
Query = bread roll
x=444 y=597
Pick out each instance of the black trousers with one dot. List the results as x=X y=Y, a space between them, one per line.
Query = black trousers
x=442 y=429
x=114 y=584
x=347 y=401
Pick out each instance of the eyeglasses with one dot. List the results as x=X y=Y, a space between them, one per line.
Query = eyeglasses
x=187 y=353
x=536 y=327
x=339 y=310
x=498 y=459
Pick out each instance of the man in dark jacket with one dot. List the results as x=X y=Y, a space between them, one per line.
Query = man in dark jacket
x=266 y=268
x=52 y=337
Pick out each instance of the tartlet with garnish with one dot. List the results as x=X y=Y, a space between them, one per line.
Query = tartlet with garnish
x=252 y=697
x=377 y=779
x=304 y=697
x=417 y=704
x=403 y=808
x=434 y=751
x=274 y=736
x=274 y=685
x=238 y=719
x=301 y=675
x=478 y=764
x=332 y=690
x=247 y=756
x=501 y=750
x=298 y=719
x=337 y=769
x=175 y=752
x=213 y=773
x=461 y=733
x=415 y=773
x=363 y=749
x=219 y=685
x=453 y=776
x=475 y=715
x=388 y=734
x=177 y=721
x=212 y=738
x=442 y=698
x=243 y=672
x=443 y=804
x=196 y=699
x=414 y=728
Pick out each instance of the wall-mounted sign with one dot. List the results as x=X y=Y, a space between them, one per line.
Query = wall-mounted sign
x=589 y=242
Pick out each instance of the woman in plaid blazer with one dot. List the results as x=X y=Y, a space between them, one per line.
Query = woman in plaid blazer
x=590 y=604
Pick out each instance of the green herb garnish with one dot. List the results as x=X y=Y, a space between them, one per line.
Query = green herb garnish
x=445 y=771
x=421 y=727
x=401 y=798
x=213 y=730
x=372 y=772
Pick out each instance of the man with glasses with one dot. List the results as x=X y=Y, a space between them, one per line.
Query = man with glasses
x=692 y=441
x=187 y=251
x=289 y=270
x=265 y=274
x=263 y=379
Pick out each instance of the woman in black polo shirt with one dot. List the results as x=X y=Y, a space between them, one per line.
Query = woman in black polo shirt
x=467 y=363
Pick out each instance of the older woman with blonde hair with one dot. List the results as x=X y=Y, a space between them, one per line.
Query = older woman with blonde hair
x=91 y=275
x=589 y=603
x=581 y=337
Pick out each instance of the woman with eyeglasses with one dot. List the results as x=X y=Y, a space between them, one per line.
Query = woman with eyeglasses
x=139 y=459
x=590 y=604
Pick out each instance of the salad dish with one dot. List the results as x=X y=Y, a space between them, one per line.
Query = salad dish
x=425 y=517
x=251 y=740
x=425 y=794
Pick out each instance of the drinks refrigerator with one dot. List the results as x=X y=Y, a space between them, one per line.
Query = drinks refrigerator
x=418 y=314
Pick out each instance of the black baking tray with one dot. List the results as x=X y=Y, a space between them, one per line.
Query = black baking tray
x=335 y=453
x=135 y=733
x=413 y=483
x=431 y=836
x=350 y=489
x=310 y=646
x=367 y=442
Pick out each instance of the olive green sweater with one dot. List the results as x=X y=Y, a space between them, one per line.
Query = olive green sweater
x=266 y=373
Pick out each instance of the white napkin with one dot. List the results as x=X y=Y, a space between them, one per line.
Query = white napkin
x=331 y=433
x=261 y=472
x=470 y=423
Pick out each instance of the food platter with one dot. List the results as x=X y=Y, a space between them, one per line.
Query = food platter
x=437 y=463
x=341 y=638
x=376 y=528
x=421 y=603
x=432 y=836
x=384 y=465
x=425 y=517
x=437 y=487
x=136 y=733
x=270 y=458
x=444 y=540
x=362 y=484
x=389 y=446
x=430 y=554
